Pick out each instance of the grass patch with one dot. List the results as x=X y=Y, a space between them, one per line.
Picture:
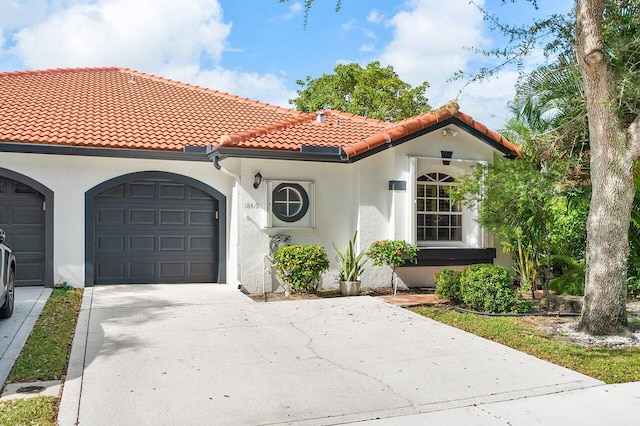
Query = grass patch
x=45 y=355
x=608 y=365
x=41 y=411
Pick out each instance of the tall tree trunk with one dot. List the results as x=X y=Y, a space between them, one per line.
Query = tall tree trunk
x=612 y=156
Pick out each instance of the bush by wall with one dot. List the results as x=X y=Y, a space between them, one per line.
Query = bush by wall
x=487 y=288
x=300 y=267
x=448 y=285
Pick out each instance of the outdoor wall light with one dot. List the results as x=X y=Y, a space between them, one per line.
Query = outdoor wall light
x=257 y=180
x=448 y=132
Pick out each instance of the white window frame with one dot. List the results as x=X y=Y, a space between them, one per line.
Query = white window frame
x=456 y=168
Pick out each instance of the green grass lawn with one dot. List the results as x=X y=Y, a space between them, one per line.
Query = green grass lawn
x=41 y=411
x=608 y=365
x=46 y=352
x=44 y=357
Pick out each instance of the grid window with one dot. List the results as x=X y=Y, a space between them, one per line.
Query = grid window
x=438 y=218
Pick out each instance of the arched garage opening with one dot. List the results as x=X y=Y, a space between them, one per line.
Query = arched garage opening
x=154 y=227
x=26 y=216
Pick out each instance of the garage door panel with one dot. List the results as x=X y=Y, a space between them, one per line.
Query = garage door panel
x=142 y=269
x=172 y=191
x=199 y=269
x=22 y=218
x=170 y=236
x=142 y=217
x=110 y=216
x=142 y=243
x=172 y=270
x=142 y=190
x=30 y=273
x=28 y=215
x=114 y=192
x=110 y=243
x=174 y=243
x=172 y=217
x=201 y=243
x=110 y=270
x=201 y=217
x=31 y=244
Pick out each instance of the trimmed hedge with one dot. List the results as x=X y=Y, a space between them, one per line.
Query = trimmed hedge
x=483 y=288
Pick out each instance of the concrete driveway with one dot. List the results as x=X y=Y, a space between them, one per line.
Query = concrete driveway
x=207 y=354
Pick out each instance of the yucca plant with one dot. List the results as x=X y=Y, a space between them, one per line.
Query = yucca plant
x=352 y=264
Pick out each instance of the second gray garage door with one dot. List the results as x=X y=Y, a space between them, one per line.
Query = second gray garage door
x=155 y=231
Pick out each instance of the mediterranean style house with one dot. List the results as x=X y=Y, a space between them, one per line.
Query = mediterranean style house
x=108 y=175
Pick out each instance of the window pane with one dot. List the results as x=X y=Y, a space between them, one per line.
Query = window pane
x=420 y=234
x=420 y=205
x=420 y=220
x=430 y=234
x=456 y=208
x=456 y=221
x=443 y=234
x=420 y=192
x=456 y=234
x=430 y=220
x=443 y=220
x=430 y=206
x=430 y=190
x=444 y=206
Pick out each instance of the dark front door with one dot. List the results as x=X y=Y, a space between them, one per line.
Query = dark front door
x=22 y=219
x=155 y=231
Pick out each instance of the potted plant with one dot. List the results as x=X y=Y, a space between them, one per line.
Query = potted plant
x=352 y=266
x=393 y=253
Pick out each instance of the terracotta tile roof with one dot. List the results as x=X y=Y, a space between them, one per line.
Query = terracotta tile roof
x=355 y=134
x=122 y=108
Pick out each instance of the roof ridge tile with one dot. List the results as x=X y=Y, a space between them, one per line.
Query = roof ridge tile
x=235 y=138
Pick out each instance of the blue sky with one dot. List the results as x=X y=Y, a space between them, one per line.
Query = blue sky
x=259 y=48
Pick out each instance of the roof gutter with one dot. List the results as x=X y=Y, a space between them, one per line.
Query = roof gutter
x=189 y=154
x=307 y=153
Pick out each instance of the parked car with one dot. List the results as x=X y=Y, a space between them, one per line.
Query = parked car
x=7 y=275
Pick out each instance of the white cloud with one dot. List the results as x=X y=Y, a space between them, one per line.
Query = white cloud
x=349 y=25
x=182 y=40
x=111 y=32
x=374 y=17
x=294 y=10
x=267 y=88
x=429 y=41
x=367 y=48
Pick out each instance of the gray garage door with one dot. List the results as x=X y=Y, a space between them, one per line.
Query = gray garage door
x=155 y=231
x=22 y=219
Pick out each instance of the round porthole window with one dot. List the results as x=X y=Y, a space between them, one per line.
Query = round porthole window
x=290 y=202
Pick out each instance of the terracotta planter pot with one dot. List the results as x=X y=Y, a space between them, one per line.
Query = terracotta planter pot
x=349 y=288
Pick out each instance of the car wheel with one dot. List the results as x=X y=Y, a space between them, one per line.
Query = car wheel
x=7 y=308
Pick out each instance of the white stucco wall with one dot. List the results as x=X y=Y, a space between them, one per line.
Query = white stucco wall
x=348 y=197
x=70 y=176
x=334 y=211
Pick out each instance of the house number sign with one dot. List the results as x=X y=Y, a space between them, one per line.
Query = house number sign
x=251 y=206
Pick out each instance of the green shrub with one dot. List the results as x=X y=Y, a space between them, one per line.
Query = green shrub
x=487 y=288
x=448 y=284
x=300 y=266
x=393 y=253
x=568 y=276
x=633 y=288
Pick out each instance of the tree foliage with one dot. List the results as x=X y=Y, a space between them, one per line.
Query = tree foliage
x=373 y=91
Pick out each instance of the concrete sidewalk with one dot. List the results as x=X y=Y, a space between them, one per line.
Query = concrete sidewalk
x=206 y=354
x=14 y=331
